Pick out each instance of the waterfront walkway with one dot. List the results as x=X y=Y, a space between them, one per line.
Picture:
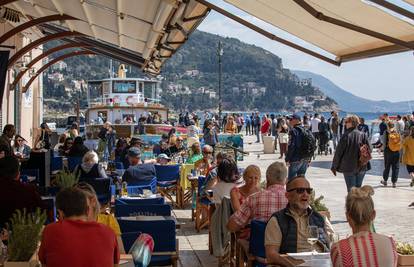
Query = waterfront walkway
x=393 y=215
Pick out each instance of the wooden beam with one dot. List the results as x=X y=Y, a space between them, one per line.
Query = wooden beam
x=32 y=23
x=395 y=8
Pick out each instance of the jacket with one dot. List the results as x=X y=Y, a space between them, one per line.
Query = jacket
x=210 y=137
x=408 y=146
x=295 y=142
x=346 y=158
x=220 y=235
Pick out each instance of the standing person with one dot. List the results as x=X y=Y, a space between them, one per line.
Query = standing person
x=265 y=128
x=324 y=136
x=192 y=133
x=341 y=127
x=111 y=141
x=43 y=139
x=302 y=145
x=239 y=124
x=103 y=142
x=348 y=153
x=315 y=125
x=6 y=138
x=408 y=156
x=230 y=126
x=283 y=137
x=363 y=246
x=306 y=122
x=273 y=120
x=256 y=126
x=210 y=134
x=392 y=149
x=362 y=127
x=383 y=128
x=334 y=124
x=248 y=124
x=73 y=131
x=400 y=125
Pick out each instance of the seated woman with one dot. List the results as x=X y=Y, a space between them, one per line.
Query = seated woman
x=364 y=245
x=195 y=154
x=211 y=176
x=78 y=149
x=90 y=168
x=21 y=150
x=251 y=177
x=67 y=145
x=61 y=142
x=227 y=178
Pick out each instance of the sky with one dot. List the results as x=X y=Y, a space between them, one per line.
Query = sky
x=381 y=78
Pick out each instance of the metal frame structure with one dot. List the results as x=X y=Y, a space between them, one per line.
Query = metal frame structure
x=41 y=56
x=267 y=34
x=31 y=23
x=38 y=42
x=62 y=57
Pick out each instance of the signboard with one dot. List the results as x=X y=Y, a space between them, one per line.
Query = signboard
x=124 y=87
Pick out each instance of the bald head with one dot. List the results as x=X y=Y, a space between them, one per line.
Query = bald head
x=207 y=148
x=276 y=173
x=297 y=182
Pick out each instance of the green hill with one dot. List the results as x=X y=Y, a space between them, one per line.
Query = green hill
x=252 y=77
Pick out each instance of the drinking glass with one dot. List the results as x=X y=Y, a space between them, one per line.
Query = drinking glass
x=313 y=237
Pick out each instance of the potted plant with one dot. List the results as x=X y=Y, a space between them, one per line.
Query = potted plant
x=317 y=205
x=405 y=254
x=24 y=237
x=66 y=179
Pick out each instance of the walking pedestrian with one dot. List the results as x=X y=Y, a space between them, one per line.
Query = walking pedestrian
x=302 y=146
x=352 y=154
x=324 y=136
x=392 y=149
x=283 y=137
x=256 y=125
x=248 y=123
x=315 y=126
x=408 y=155
x=362 y=127
x=265 y=128
x=334 y=124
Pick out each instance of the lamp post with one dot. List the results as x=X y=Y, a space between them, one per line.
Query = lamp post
x=219 y=54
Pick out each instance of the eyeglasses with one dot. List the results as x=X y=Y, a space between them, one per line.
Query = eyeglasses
x=301 y=190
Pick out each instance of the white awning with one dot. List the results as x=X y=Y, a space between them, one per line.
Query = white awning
x=153 y=29
x=374 y=31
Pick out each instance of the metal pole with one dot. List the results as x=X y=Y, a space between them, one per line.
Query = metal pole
x=220 y=53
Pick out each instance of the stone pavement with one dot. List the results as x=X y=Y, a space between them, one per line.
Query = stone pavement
x=393 y=215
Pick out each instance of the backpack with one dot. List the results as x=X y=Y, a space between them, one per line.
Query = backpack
x=308 y=147
x=394 y=141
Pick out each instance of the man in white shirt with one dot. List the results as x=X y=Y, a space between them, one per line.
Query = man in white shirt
x=400 y=125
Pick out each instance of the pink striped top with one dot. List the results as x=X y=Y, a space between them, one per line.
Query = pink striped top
x=364 y=249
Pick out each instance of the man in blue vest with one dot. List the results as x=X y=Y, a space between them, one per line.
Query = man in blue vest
x=287 y=231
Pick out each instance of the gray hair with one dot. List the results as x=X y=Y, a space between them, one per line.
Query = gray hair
x=276 y=173
x=90 y=158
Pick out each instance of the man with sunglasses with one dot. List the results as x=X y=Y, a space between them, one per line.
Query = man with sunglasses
x=287 y=231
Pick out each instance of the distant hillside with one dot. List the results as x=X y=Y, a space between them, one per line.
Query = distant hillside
x=348 y=101
x=252 y=78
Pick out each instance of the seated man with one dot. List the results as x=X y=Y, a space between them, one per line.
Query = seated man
x=15 y=195
x=205 y=163
x=262 y=205
x=163 y=159
x=137 y=171
x=178 y=148
x=75 y=241
x=287 y=230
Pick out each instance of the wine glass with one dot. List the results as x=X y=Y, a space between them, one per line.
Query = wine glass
x=313 y=237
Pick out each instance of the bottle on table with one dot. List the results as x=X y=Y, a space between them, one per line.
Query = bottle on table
x=124 y=189
x=118 y=187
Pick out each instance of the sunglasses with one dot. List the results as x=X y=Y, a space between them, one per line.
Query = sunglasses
x=302 y=190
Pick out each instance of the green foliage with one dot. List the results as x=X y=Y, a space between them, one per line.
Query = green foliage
x=66 y=179
x=316 y=203
x=25 y=231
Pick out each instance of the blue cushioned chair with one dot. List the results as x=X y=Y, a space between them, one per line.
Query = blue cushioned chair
x=122 y=210
x=257 y=252
x=168 y=177
x=56 y=164
x=163 y=233
x=73 y=162
x=102 y=188
x=138 y=188
x=140 y=201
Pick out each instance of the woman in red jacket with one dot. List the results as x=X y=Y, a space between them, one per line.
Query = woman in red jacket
x=265 y=129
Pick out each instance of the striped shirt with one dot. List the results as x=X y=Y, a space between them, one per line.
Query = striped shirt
x=364 y=249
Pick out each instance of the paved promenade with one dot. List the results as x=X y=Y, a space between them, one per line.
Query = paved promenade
x=393 y=215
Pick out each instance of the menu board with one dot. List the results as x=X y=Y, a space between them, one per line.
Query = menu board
x=124 y=87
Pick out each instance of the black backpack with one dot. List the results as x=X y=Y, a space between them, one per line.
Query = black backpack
x=308 y=147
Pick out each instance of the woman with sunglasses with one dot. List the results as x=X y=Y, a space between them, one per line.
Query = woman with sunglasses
x=21 y=150
x=363 y=248
x=251 y=177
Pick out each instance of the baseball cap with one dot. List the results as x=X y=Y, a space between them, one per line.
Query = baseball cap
x=134 y=152
x=163 y=156
x=294 y=117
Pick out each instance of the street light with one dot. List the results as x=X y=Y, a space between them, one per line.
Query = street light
x=219 y=54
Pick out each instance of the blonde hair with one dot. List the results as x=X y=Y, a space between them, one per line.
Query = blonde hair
x=92 y=197
x=359 y=205
x=354 y=119
x=90 y=158
x=251 y=169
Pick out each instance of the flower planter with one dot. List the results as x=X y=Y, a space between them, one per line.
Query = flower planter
x=405 y=260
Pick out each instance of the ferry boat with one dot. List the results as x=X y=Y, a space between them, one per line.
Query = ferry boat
x=123 y=101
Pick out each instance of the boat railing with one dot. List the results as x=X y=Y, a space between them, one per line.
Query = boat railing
x=108 y=101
